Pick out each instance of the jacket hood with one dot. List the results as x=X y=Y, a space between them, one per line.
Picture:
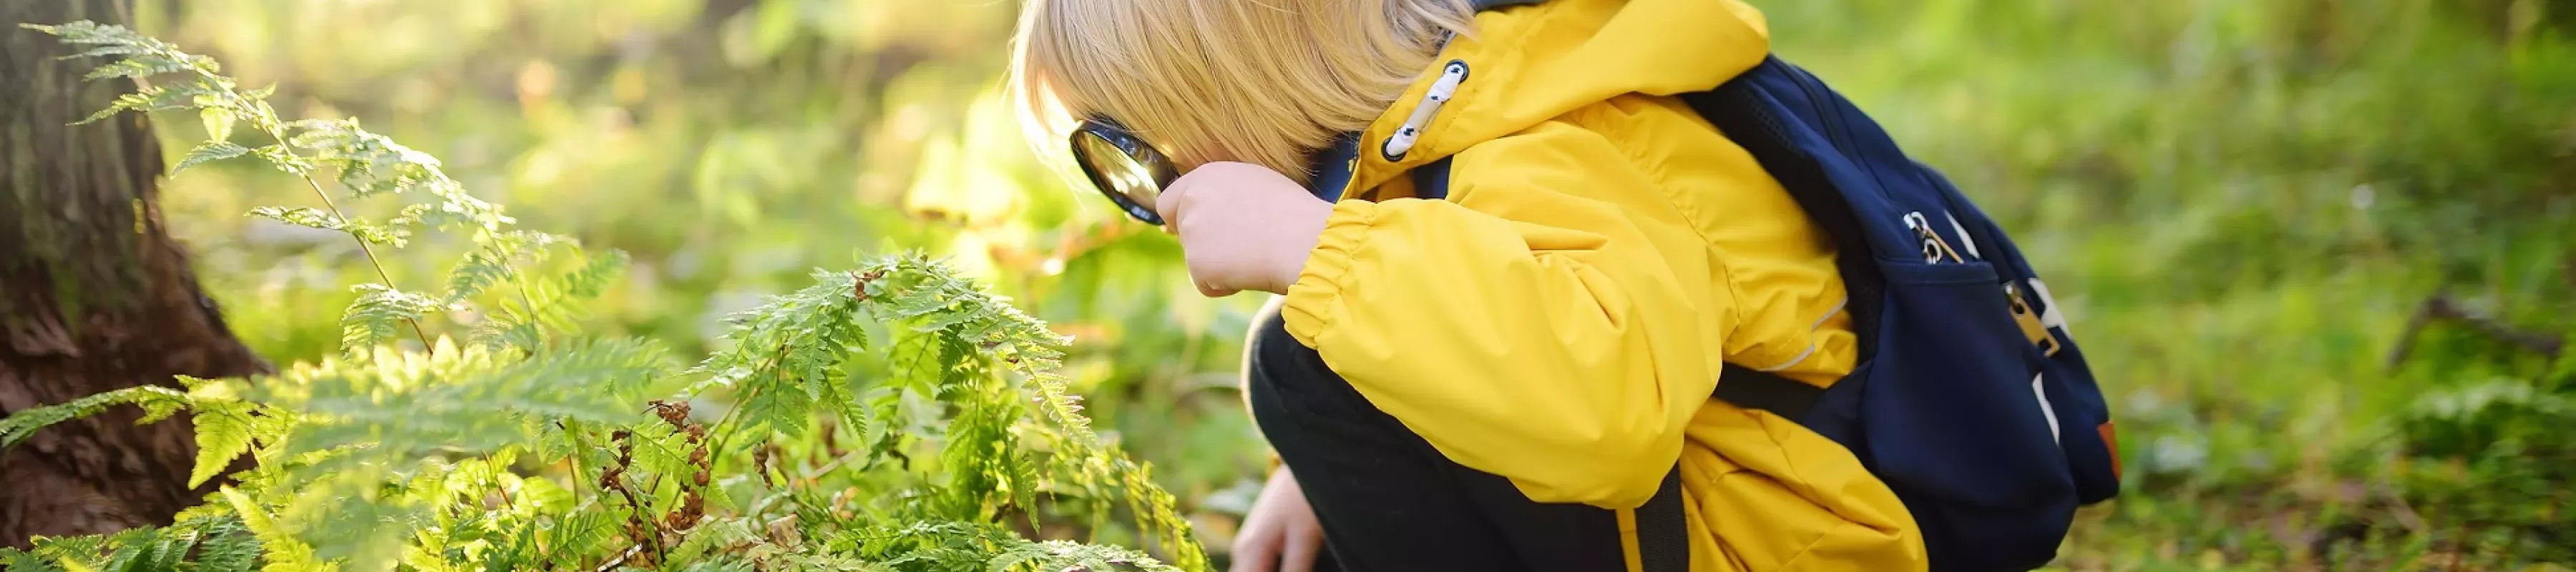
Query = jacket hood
x=1532 y=60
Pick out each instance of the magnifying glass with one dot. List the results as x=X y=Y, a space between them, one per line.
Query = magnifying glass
x=1124 y=168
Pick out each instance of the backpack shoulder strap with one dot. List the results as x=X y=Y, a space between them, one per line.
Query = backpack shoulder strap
x=1742 y=111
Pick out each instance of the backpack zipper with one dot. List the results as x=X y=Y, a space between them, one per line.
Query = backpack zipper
x=1833 y=126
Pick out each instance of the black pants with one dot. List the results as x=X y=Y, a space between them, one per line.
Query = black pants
x=1387 y=500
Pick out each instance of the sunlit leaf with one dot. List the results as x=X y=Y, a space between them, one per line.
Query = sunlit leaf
x=219 y=124
x=380 y=312
x=210 y=151
x=310 y=217
x=223 y=433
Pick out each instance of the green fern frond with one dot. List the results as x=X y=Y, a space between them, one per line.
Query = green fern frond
x=209 y=152
x=284 y=159
x=113 y=40
x=1070 y=555
x=223 y=433
x=139 y=68
x=88 y=32
x=378 y=313
x=148 y=99
x=147 y=549
x=74 y=553
x=391 y=408
x=105 y=50
x=156 y=410
x=549 y=303
x=310 y=217
x=219 y=122
x=372 y=164
x=15 y=560
x=137 y=56
x=659 y=449
x=718 y=536
x=786 y=351
x=227 y=546
x=283 y=552
x=392 y=457
x=582 y=533
x=552 y=302
x=596 y=273
x=494 y=261
x=510 y=329
x=22 y=424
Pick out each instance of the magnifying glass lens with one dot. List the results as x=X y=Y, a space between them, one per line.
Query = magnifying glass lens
x=1117 y=172
x=1131 y=175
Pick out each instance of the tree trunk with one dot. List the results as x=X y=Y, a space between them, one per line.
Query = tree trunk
x=94 y=295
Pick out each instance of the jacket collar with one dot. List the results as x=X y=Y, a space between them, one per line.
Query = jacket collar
x=1332 y=165
x=1552 y=57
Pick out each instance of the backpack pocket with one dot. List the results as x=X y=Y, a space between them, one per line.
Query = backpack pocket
x=2070 y=399
x=1958 y=418
x=1958 y=422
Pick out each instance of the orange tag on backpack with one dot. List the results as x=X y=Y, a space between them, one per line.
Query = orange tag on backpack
x=2110 y=442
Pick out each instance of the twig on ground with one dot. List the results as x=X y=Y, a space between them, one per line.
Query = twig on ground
x=613 y=563
x=2442 y=308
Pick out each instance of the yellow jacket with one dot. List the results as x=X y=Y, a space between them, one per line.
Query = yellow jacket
x=1601 y=253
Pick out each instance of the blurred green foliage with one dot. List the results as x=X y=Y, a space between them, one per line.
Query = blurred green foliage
x=2242 y=204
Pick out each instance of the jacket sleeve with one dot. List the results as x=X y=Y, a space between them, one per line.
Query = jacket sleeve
x=1535 y=328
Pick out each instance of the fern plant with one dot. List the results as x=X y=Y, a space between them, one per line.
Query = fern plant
x=890 y=417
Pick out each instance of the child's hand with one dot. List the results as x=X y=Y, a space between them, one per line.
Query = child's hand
x=1281 y=533
x=1242 y=227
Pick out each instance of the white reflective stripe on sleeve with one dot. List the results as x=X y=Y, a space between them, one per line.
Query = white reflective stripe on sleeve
x=1811 y=328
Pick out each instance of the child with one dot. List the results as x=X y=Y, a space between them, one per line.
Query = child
x=1516 y=376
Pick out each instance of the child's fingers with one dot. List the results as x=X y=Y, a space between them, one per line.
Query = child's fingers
x=1257 y=550
x=1170 y=203
x=1214 y=291
x=1302 y=546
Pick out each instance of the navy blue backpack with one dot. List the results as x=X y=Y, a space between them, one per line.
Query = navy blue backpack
x=1970 y=400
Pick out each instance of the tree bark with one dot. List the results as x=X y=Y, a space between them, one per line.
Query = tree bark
x=94 y=295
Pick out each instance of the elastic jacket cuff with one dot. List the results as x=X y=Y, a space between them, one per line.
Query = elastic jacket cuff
x=1314 y=301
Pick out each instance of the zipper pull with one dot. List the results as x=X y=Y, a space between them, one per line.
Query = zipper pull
x=1934 y=249
x=1450 y=76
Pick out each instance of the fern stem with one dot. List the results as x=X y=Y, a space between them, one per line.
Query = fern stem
x=581 y=444
x=520 y=279
x=497 y=486
x=724 y=438
x=637 y=510
x=369 y=251
x=268 y=124
x=620 y=560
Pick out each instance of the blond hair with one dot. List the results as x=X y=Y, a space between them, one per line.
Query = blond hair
x=1257 y=81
